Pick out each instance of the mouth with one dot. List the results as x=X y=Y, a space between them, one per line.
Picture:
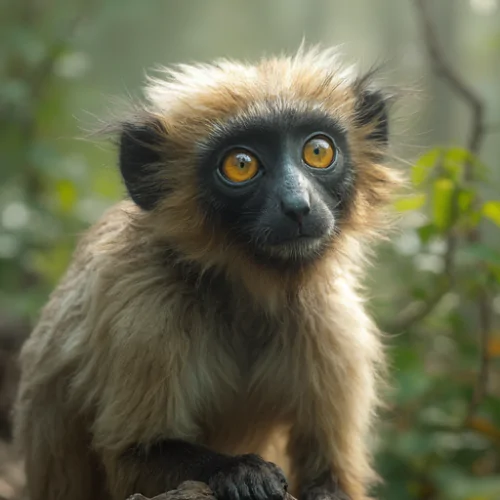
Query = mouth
x=293 y=245
x=300 y=250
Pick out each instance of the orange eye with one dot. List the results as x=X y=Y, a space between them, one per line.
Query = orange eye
x=240 y=166
x=319 y=152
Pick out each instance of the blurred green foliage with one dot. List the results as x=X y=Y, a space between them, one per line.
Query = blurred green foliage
x=442 y=437
x=441 y=434
x=49 y=189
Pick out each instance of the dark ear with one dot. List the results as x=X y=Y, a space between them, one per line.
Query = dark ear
x=140 y=161
x=371 y=107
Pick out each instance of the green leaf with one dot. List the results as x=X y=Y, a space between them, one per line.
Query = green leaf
x=420 y=171
x=413 y=202
x=426 y=232
x=465 y=198
x=453 y=162
x=458 y=156
x=442 y=200
x=455 y=159
x=491 y=210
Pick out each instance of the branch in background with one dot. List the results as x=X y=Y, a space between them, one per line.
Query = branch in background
x=443 y=69
x=416 y=311
x=485 y=321
x=446 y=72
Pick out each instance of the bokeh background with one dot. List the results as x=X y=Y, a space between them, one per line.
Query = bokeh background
x=435 y=286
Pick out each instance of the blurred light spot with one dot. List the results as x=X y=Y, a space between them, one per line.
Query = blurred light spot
x=449 y=302
x=9 y=246
x=408 y=243
x=89 y=209
x=443 y=345
x=448 y=441
x=484 y=7
x=14 y=91
x=15 y=216
x=435 y=415
x=496 y=304
x=72 y=65
x=413 y=219
x=431 y=263
x=76 y=167
x=437 y=247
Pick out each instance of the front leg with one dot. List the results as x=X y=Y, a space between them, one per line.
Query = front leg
x=162 y=466
x=329 y=444
x=318 y=478
x=342 y=365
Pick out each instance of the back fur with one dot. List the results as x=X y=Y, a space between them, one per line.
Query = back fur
x=162 y=327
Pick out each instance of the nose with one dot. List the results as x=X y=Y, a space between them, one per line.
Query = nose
x=296 y=205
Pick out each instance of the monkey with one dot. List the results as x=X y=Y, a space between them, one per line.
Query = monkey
x=211 y=325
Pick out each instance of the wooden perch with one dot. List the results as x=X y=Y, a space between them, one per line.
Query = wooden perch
x=189 y=490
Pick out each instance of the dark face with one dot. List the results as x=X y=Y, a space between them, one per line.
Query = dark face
x=278 y=183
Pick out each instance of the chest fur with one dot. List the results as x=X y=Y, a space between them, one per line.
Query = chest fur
x=208 y=362
x=256 y=410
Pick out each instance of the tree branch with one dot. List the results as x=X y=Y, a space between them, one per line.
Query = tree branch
x=444 y=70
x=416 y=311
x=189 y=490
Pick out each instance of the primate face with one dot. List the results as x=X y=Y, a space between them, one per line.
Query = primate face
x=277 y=181
x=275 y=162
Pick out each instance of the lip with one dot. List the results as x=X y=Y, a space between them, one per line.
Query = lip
x=300 y=245
x=301 y=249
x=298 y=238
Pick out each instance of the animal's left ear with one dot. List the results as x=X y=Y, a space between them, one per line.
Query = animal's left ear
x=372 y=109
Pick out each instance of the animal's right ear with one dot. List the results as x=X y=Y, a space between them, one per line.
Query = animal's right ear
x=140 y=158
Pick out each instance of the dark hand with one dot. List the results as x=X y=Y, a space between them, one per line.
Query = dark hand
x=248 y=477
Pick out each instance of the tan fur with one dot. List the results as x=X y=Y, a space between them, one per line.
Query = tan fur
x=126 y=350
